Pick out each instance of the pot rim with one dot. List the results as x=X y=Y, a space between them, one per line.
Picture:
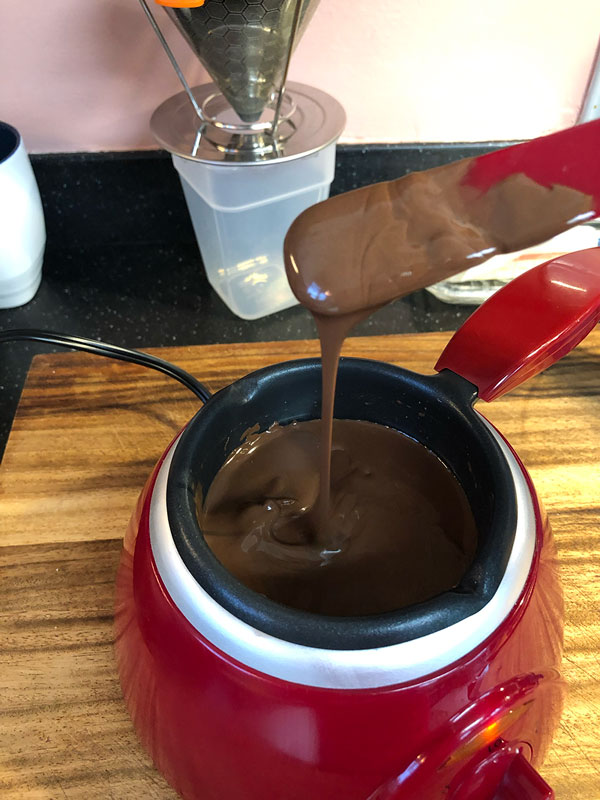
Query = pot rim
x=344 y=669
x=258 y=397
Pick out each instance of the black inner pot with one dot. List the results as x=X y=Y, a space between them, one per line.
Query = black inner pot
x=435 y=410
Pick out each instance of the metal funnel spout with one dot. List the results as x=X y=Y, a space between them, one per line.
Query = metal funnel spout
x=244 y=46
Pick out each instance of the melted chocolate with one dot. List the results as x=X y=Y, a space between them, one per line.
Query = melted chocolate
x=368 y=521
x=399 y=525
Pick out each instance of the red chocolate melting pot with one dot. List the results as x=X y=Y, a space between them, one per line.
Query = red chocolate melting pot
x=238 y=697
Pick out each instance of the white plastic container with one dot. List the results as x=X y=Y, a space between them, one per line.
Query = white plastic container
x=240 y=216
x=244 y=185
x=22 y=228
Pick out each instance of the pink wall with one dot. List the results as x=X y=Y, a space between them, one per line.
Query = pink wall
x=86 y=75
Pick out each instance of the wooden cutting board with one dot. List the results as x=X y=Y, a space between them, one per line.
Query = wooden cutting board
x=87 y=433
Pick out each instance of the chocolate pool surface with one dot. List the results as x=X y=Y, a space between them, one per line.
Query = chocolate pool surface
x=399 y=529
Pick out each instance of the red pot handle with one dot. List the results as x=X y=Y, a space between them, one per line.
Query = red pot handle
x=527 y=325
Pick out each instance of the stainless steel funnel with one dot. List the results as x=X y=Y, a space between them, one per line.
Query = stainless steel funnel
x=244 y=45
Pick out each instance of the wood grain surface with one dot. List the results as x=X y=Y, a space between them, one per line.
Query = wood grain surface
x=87 y=433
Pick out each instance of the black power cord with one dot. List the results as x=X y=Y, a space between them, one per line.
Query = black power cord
x=110 y=351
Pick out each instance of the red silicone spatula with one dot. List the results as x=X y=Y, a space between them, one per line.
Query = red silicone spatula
x=569 y=157
x=361 y=249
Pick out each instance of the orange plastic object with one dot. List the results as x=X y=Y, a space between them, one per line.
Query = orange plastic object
x=180 y=3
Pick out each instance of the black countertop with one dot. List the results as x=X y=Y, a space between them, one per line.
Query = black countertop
x=122 y=264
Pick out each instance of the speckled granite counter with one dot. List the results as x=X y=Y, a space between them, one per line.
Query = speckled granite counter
x=122 y=264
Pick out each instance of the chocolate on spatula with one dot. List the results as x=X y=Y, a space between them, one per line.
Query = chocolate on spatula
x=365 y=248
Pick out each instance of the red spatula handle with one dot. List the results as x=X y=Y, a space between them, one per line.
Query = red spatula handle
x=569 y=157
x=527 y=325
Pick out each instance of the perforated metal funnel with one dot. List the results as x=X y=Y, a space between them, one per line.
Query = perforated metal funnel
x=244 y=46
